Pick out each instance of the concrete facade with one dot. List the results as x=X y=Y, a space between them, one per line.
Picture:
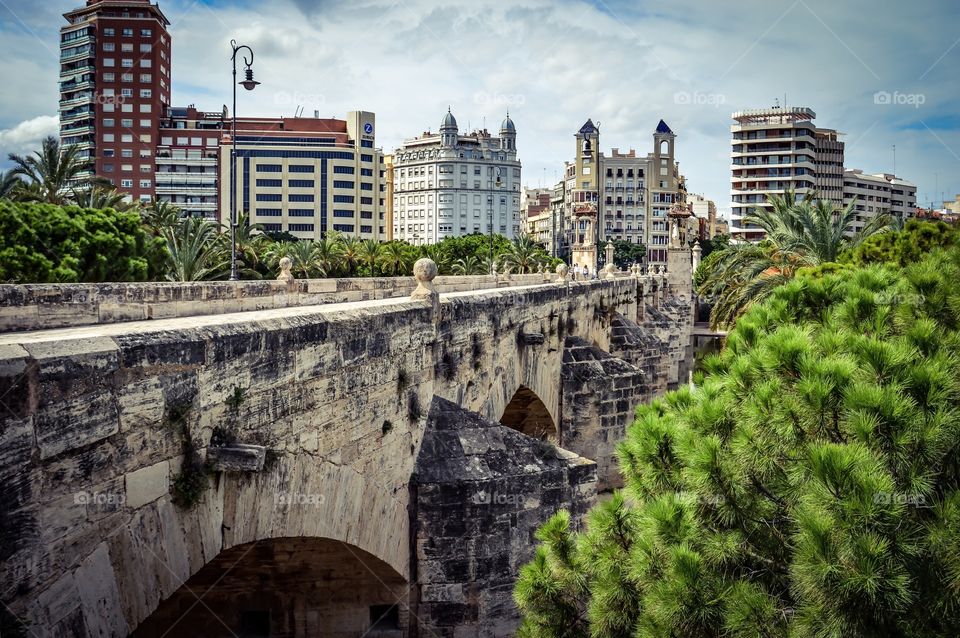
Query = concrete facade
x=351 y=402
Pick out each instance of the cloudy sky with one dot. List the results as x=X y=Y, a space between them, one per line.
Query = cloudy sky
x=884 y=72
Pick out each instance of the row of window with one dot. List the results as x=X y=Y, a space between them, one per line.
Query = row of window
x=128 y=32
x=126 y=123
x=127 y=47
x=127 y=138
x=276 y=197
x=127 y=63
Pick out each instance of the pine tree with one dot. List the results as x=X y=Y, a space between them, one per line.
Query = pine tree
x=806 y=486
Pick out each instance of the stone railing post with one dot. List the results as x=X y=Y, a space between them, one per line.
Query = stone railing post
x=562 y=273
x=425 y=271
x=285 y=275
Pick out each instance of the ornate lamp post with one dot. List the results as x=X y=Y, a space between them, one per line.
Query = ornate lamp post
x=249 y=84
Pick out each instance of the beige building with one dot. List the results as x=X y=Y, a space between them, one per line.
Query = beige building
x=954 y=206
x=308 y=176
x=536 y=215
x=629 y=201
x=876 y=194
x=705 y=213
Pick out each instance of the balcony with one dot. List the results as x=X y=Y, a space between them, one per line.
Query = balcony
x=77 y=100
x=166 y=160
x=75 y=117
x=79 y=70
x=67 y=87
x=185 y=189
x=84 y=52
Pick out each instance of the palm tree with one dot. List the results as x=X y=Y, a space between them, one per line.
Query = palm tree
x=160 y=215
x=395 y=258
x=250 y=241
x=50 y=172
x=469 y=265
x=327 y=253
x=350 y=254
x=303 y=256
x=10 y=183
x=522 y=256
x=195 y=251
x=799 y=233
x=370 y=251
x=101 y=197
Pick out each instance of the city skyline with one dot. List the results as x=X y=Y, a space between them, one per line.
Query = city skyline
x=691 y=65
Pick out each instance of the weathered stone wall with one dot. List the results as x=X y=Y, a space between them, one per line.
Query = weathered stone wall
x=41 y=306
x=482 y=490
x=92 y=435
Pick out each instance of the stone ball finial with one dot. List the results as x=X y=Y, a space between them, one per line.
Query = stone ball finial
x=424 y=271
x=562 y=270
x=285 y=265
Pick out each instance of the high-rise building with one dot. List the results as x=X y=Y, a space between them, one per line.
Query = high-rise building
x=187 y=161
x=114 y=87
x=875 y=194
x=775 y=150
x=446 y=184
x=307 y=176
x=829 y=166
x=705 y=212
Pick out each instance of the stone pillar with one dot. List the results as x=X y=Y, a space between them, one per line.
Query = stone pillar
x=562 y=273
x=679 y=270
x=425 y=271
x=609 y=255
x=697 y=251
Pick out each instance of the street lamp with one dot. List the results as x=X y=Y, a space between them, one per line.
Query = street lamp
x=491 y=222
x=249 y=84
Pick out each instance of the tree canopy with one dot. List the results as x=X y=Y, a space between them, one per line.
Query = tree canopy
x=807 y=485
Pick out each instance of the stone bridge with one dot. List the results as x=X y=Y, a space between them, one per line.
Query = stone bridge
x=351 y=468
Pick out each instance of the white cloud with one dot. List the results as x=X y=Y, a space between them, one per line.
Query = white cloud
x=25 y=137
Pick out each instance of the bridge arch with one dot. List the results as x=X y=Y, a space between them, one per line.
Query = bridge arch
x=528 y=414
x=286 y=587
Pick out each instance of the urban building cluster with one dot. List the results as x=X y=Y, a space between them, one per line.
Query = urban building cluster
x=779 y=149
x=308 y=176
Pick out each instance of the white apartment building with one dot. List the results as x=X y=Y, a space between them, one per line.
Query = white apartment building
x=446 y=184
x=775 y=150
x=878 y=193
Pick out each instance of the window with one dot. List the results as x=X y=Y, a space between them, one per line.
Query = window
x=183 y=141
x=126 y=108
x=366 y=158
x=366 y=143
x=108 y=152
x=146 y=48
x=126 y=63
x=146 y=63
x=145 y=123
x=300 y=212
x=366 y=172
x=302 y=228
x=126 y=152
x=343 y=228
x=127 y=33
x=145 y=108
x=109 y=62
x=145 y=183
x=341 y=170
x=146 y=168
x=300 y=198
x=301 y=183
x=110 y=31
x=109 y=77
x=126 y=77
x=343 y=199
x=108 y=121
x=342 y=184
x=147 y=93
x=109 y=46
x=146 y=138
x=146 y=33
x=366 y=187
x=272 y=228
x=269 y=212
x=269 y=197
x=126 y=93
x=343 y=213
x=108 y=137
x=269 y=183
x=125 y=123
x=126 y=183
x=146 y=77
x=366 y=200
x=126 y=47
x=107 y=168
x=305 y=169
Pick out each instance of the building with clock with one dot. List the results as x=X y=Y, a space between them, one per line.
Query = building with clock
x=448 y=184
